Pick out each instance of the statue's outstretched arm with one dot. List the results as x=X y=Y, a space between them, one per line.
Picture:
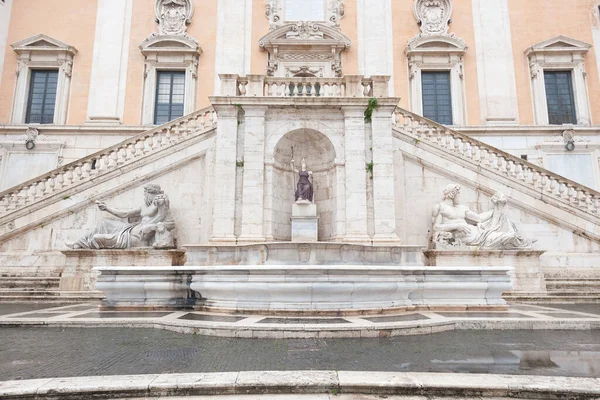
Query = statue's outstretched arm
x=135 y=212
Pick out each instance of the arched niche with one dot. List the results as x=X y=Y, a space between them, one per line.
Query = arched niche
x=319 y=153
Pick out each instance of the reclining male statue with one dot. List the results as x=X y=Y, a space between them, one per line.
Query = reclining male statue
x=114 y=234
x=456 y=225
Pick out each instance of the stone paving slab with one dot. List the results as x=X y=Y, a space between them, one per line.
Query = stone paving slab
x=578 y=317
x=323 y=384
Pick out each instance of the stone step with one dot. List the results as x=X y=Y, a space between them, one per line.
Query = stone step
x=48 y=293
x=29 y=282
x=548 y=298
x=50 y=296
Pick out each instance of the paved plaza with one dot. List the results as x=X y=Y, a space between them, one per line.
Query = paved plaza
x=42 y=352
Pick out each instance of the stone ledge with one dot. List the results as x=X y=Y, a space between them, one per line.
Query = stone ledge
x=304 y=382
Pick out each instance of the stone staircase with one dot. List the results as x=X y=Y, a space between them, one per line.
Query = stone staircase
x=549 y=195
x=56 y=193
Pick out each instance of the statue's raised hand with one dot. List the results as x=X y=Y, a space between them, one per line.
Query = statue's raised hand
x=101 y=206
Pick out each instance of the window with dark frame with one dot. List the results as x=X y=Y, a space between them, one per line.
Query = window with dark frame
x=42 y=97
x=437 y=98
x=559 y=96
x=170 y=94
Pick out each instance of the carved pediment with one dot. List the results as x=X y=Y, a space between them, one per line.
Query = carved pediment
x=436 y=43
x=559 y=44
x=311 y=48
x=298 y=33
x=41 y=42
x=170 y=43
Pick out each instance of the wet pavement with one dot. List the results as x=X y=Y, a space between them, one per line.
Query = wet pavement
x=28 y=353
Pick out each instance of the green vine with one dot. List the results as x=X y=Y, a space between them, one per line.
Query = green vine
x=370 y=169
x=239 y=163
x=369 y=111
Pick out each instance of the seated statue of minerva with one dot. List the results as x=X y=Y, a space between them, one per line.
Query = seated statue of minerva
x=455 y=225
x=113 y=234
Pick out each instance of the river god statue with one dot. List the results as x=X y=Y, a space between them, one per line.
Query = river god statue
x=154 y=215
x=455 y=225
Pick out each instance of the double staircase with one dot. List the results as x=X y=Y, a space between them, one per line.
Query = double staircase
x=59 y=192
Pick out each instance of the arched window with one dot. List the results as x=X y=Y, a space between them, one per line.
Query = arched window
x=304 y=10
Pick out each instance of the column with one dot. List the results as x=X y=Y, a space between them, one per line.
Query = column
x=109 y=66
x=225 y=175
x=356 y=175
x=234 y=38
x=5 y=8
x=340 y=200
x=375 y=38
x=268 y=210
x=254 y=175
x=495 y=62
x=384 y=209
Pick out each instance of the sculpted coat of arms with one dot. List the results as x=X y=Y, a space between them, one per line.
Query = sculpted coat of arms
x=173 y=16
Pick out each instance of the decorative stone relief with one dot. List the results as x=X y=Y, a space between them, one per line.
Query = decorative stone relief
x=173 y=16
x=433 y=16
x=275 y=13
x=304 y=251
x=455 y=225
x=305 y=48
x=147 y=225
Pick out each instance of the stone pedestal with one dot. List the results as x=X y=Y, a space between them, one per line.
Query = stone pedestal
x=78 y=274
x=305 y=223
x=527 y=275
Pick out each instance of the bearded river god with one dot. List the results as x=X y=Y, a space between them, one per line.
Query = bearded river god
x=455 y=225
x=115 y=234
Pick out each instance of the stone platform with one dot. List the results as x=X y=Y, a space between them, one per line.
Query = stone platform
x=302 y=288
x=309 y=253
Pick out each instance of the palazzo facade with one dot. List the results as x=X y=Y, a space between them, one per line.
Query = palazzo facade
x=388 y=101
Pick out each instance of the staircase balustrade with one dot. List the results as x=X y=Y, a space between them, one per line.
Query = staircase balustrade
x=489 y=157
x=107 y=160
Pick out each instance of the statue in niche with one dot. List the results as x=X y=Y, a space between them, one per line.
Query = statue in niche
x=154 y=215
x=304 y=188
x=456 y=225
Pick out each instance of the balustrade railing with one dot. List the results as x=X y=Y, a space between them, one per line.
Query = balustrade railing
x=106 y=160
x=489 y=157
x=262 y=86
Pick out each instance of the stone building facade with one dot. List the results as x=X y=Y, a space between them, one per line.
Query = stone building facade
x=87 y=90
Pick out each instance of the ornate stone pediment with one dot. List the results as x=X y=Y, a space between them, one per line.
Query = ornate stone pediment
x=170 y=44
x=559 y=44
x=308 y=48
x=173 y=16
x=436 y=43
x=433 y=16
x=42 y=43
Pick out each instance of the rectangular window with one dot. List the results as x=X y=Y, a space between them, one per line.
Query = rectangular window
x=559 y=95
x=304 y=10
x=437 y=100
x=170 y=94
x=42 y=97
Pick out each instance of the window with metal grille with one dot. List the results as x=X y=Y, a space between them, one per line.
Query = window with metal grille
x=437 y=100
x=559 y=95
x=42 y=97
x=170 y=94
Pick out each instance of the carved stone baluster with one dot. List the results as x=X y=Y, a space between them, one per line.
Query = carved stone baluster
x=59 y=180
x=535 y=179
x=103 y=163
x=502 y=164
x=597 y=204
x=449 y=144
x=561 y=190
x=86 y=169
x=22 y=196
x=583 y=197
x=458 y=146
x=511 y=169
x=485 y=157
x=520 y=173
x=297 y=90
x=476 y=153
x=12 y=201
x=112 y=159
x=121 y=156
x=78 y=172
x=4 y=204
x=572 y=193
x=552 y=186
x=466 y=150
x=94 y=166
x=242 y=88
x=288 y=91
x=200 y=122
x=139 y=148
x=213 y=118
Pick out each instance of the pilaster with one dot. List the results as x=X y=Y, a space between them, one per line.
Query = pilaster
x=254 y=175
x=383 y=176
x=109 y=67
x=356 y=184
x=225 y=174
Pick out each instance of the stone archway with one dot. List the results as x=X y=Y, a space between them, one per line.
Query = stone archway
x=320 y=157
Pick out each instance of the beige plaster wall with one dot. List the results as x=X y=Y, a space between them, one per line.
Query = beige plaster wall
x=534 y=21
x=349 y=28
x=61 y=20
